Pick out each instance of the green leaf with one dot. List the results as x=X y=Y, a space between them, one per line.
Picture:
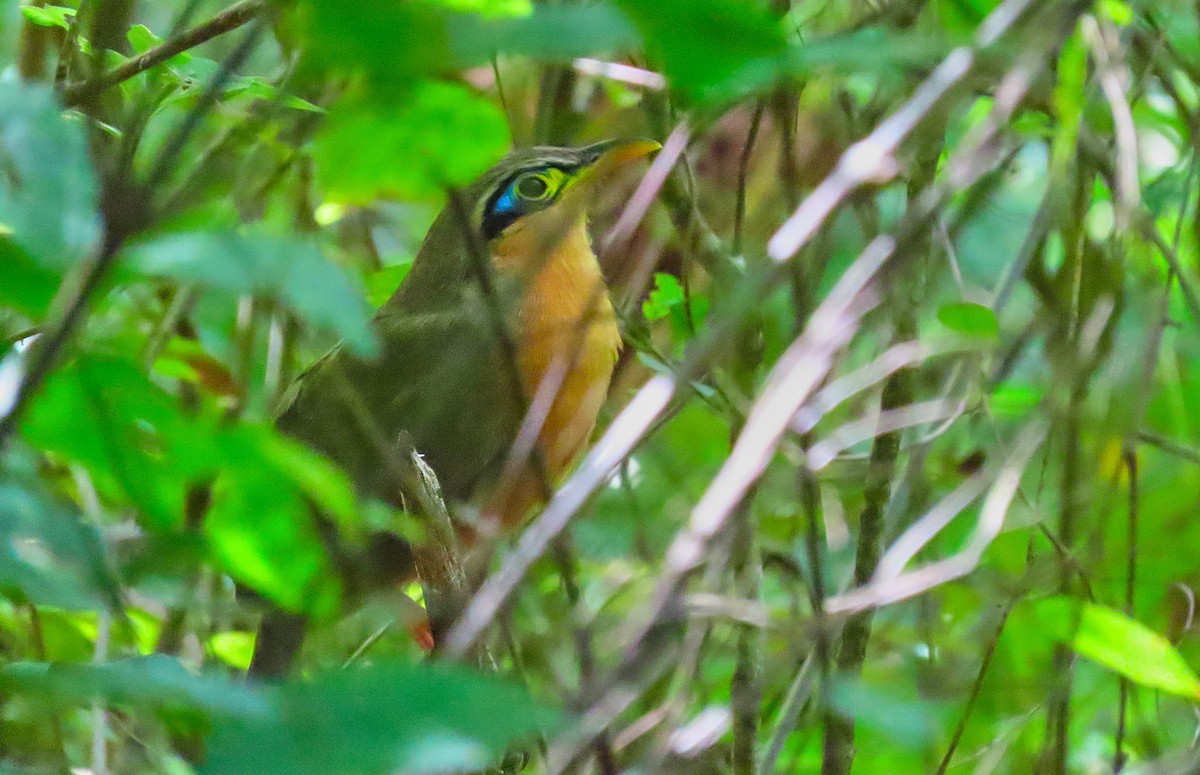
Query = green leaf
x=907 y=721
x=391 y=44
x=24 y=285
x=48 y=554
x=290 y=269
x=233 y=648
x=105 y=414
x=385 y=718
x=258 y=88
x=1123 y=645
x=974 y=320
x=262 y=523
x=383 y=283
x=439 y=135
x=490 y=8
x=49 y=15
x=710 y=49
x=1015 y=399
x=1116 y=11
x=142 y=39
x=667 y=294
x=47 y=188
x=557 y=33
x=156 y=681
x=1069 y=96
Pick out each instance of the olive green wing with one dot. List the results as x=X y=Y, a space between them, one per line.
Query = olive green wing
x=440 y=377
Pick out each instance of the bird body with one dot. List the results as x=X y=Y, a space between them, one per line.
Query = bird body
x=503 y=318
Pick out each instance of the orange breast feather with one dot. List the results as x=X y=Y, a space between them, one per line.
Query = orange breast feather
x=567 y=335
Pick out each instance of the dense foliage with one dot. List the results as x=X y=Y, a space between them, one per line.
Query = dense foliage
x=900 y=467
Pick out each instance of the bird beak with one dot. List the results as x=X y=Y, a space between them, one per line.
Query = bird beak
x=602 y=161
x=611 y=154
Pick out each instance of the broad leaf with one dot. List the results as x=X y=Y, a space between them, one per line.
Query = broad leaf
x=48 y=554
x=47 y=187
x=711 y=49
x=262 y=524
x=1123 y=645
x=387 y=718
x=156 y=681
x=439 y=135
x=290 y=269
x=974 y=320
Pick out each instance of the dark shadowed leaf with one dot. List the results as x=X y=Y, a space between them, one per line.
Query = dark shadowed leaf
x=711 y=49
x=48 y=554
x=387 y=718
x=290 y=269
x=551 y=33
x=156 y=681
x=439 y=135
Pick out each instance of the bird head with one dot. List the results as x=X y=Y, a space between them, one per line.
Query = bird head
x=522 y=211
x=545 y=178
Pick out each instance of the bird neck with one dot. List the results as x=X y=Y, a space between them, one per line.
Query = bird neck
x=563 y=285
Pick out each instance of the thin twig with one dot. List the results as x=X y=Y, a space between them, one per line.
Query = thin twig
x=1131 y=560
x=976 y=687
x=228 y=20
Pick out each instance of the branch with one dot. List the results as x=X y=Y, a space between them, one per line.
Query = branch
x=634 y=422
x=228 y=20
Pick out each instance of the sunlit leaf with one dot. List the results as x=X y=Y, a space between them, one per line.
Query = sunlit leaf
x=1123 y=645
x=233 y=648
x=386 y=718
x=667 y=293
x=1069 y=98
x=383 y=283
x=974 y=320
x=262 y=524
x=49 y=15
x=490 y=8
x=439 y=135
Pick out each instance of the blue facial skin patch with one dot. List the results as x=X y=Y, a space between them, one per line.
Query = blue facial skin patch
x=507 y=202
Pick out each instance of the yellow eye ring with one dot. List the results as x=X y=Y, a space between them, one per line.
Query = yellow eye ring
x=539 y=186
x=533 y=187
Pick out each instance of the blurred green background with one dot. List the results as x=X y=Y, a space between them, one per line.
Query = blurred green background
x=221 y=215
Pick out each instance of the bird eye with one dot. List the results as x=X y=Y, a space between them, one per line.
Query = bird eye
x=533 y=187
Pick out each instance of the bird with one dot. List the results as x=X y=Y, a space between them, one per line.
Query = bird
x=504 y=311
